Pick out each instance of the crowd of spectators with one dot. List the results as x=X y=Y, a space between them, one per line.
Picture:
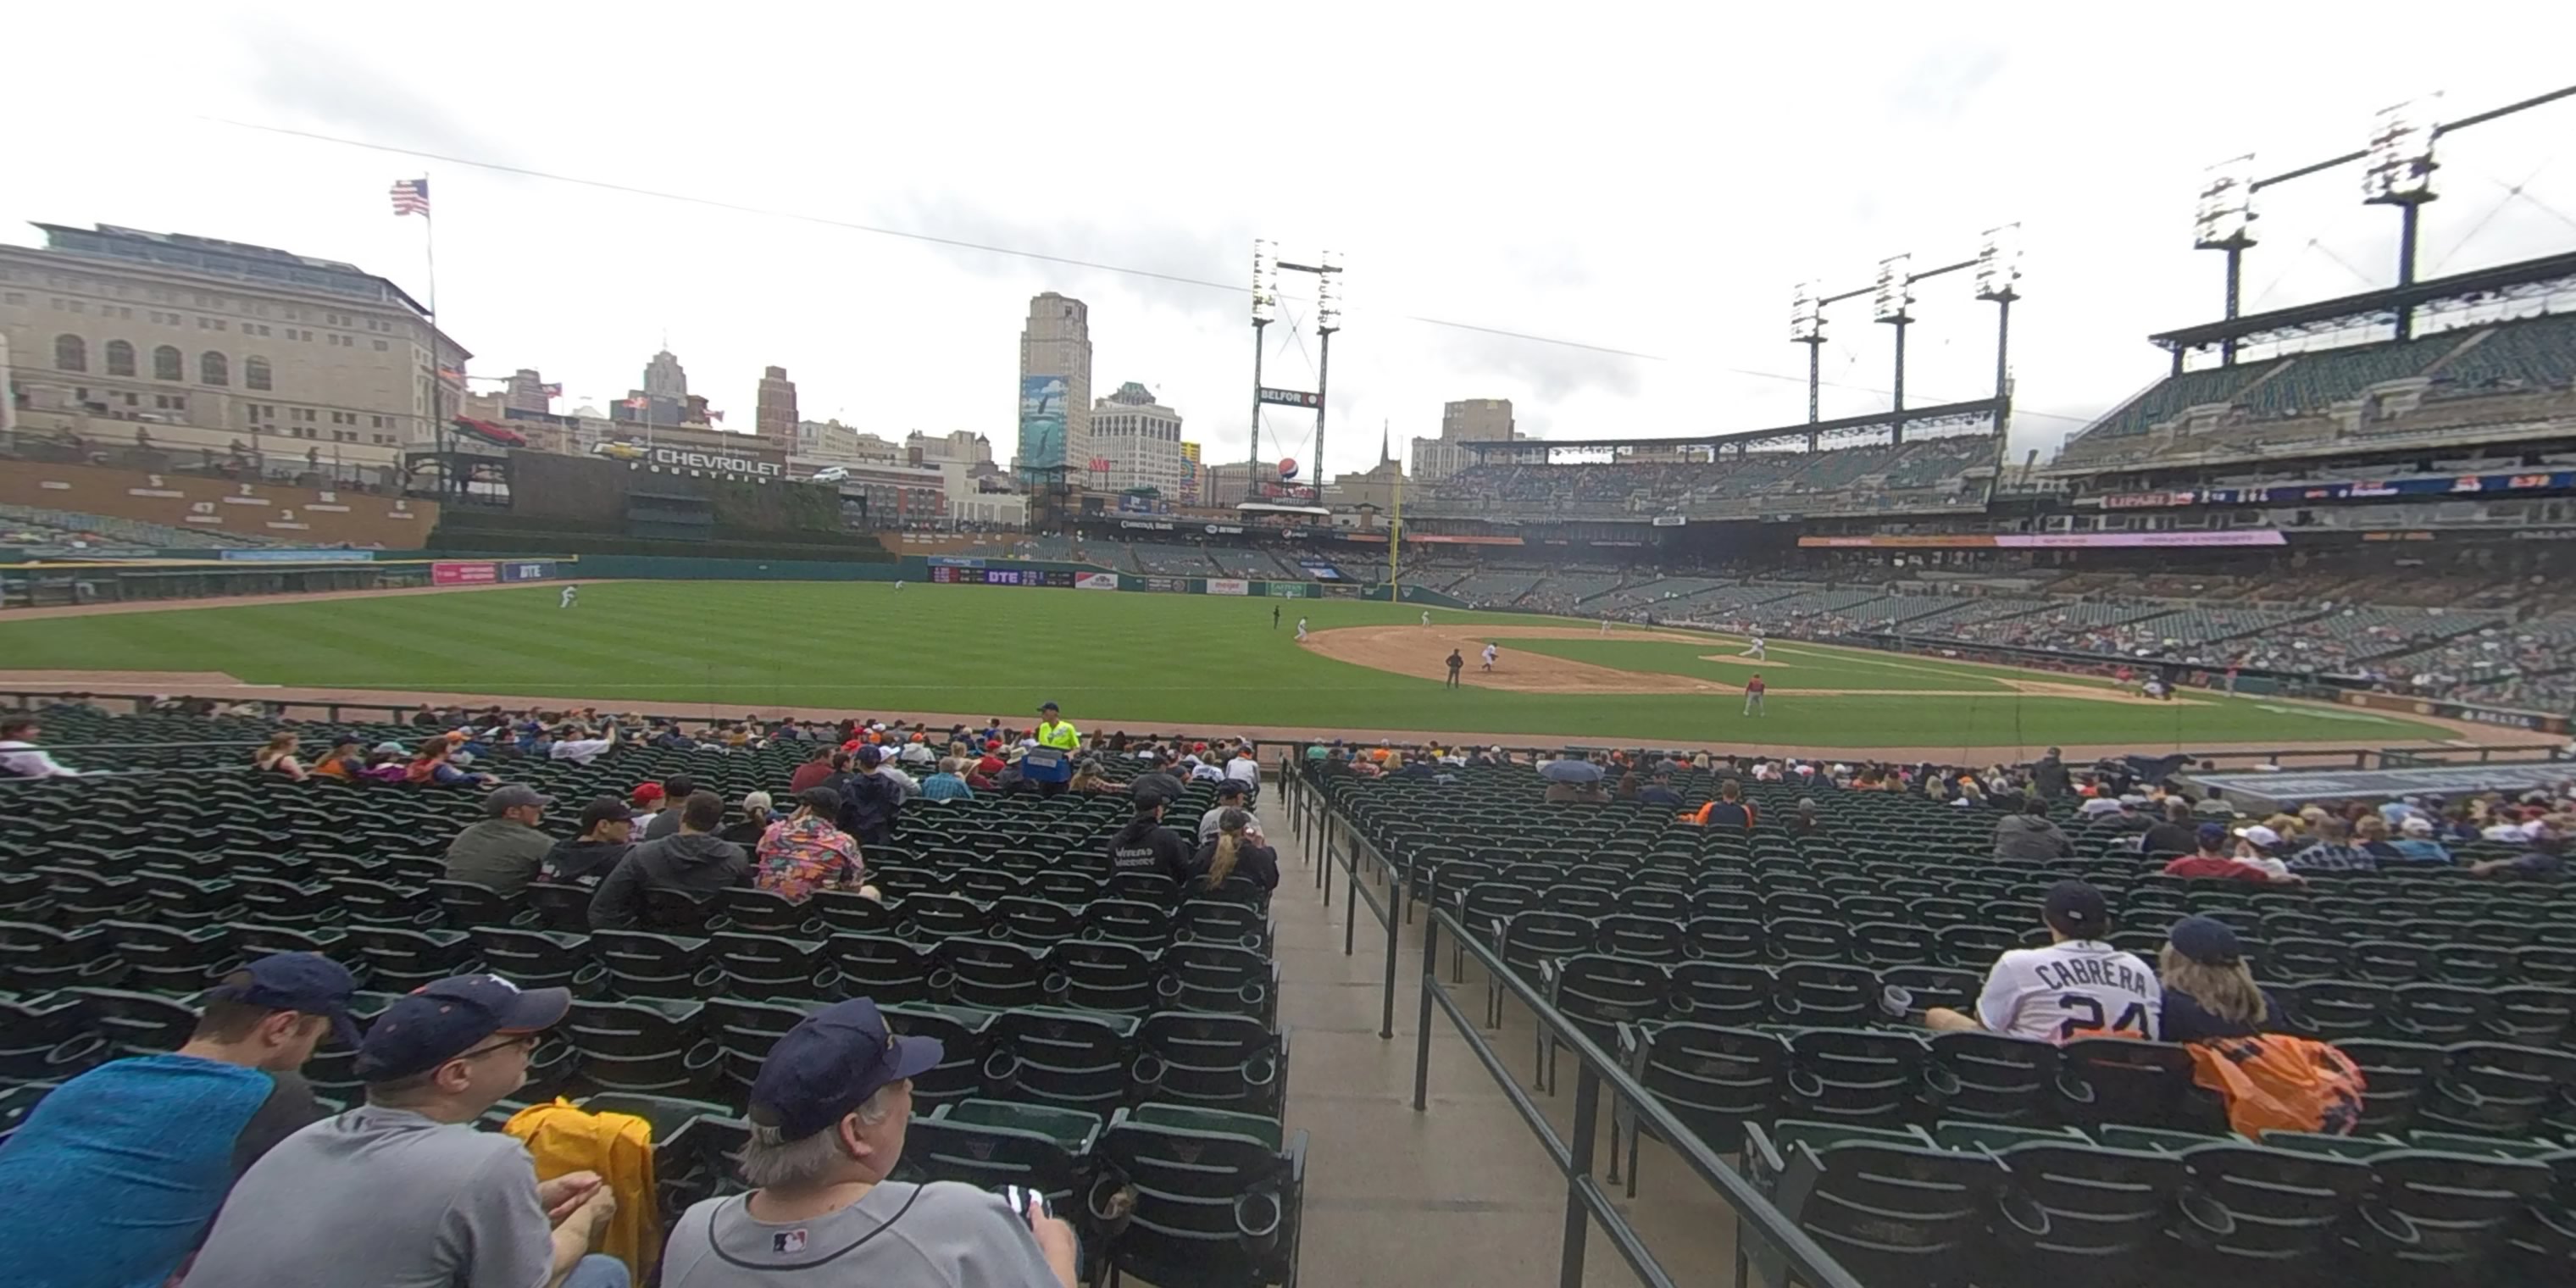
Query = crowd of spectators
x=1840 y=479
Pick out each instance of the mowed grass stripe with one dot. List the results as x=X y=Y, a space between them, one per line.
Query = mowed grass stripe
x=1809 y=671
x=1114 y=659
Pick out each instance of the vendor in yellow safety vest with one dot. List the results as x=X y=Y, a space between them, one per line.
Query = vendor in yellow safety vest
x=1055 y=731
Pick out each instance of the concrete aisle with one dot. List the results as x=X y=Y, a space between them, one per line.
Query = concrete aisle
x=1463 y=1193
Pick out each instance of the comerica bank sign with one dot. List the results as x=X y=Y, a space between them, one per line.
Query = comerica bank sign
x=717 y=463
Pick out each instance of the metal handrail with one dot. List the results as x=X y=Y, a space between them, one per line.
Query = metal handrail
x=1809 y=1262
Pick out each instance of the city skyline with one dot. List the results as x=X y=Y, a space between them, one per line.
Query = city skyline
x=1562 y=216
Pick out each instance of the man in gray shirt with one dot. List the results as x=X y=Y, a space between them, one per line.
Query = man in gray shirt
x=403 y=1192
x=1230 y=794
x=828 y=1113
x=505 y=850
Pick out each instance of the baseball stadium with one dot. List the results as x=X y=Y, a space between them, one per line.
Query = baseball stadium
x=1835 y=853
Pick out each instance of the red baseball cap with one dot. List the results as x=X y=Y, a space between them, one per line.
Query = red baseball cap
x=646 y=792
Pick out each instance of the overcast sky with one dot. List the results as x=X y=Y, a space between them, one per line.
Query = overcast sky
x=1650 y=179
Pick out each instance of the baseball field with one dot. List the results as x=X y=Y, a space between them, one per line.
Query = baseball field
x=1142 y=661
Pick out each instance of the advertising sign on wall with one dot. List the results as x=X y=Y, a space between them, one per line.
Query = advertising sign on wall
x=1228 y=586
x=1095 y=581
x=528 y=570
x=1041 y=422
x=463 y=574
x=1168 y=585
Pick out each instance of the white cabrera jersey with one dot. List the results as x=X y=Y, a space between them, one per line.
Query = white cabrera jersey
x=2081 y=988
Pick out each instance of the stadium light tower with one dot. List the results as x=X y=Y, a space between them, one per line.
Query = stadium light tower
x=1999 y=280
x=1807 y=327
x=2224 y=220
x=2398 y=171
x=1265 y=309
x=1891 y=301
x=1266 y=267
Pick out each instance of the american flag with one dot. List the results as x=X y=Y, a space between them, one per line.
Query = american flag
x=636 y=404
x=411 y=197
x=550 y=391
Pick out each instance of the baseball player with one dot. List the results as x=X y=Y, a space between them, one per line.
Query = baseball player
x=1491 y=653
x=1756 y=652
x=1605 y=626
x=1456 y=663
x=571 y=595
x=898 y=585
x=1274 y=617
x=1301 y=630
x=1426 y=617
x=1753 y=695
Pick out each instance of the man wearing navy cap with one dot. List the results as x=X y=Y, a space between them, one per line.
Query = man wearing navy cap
x=113 y=1177
x=828 y=1113
x=402 y=1192
x=2079 y=986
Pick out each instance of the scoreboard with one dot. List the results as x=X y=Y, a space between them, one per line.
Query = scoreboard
x=1002 y=576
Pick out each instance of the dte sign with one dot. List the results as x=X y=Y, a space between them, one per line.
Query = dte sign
x=675 y=457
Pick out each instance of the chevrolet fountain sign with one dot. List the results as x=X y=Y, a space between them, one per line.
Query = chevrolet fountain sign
x=674 y=458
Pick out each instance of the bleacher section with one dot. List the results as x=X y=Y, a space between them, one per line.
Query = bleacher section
x=1925 y=474
x=1092 y=1021
x=96 y=532
x=1740 y=976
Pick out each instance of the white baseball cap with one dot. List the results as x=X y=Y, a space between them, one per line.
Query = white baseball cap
x=2263 y=837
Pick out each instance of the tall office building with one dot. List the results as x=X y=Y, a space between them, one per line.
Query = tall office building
x=663 y=377
x=664 y=398
x=193 y=343
x=775 y=417
x=526 y=392
x=1135 y=442
x=1055 y=391
x=1469 y=420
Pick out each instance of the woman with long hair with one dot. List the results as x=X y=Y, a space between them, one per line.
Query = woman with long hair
x=2209 y=991
x=278 y=756
x=1235 y=850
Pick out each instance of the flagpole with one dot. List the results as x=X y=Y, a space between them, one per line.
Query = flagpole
x=437 y=373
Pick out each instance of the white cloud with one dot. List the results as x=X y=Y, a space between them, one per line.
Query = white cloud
x=1648 y=179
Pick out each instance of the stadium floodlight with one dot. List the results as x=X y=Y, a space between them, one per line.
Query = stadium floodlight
x=2398 y=167
x=1999 y=263
x=2224 y=218
x=1806 y=314
x=1265 y=280
x=1892 y=299
x=1328 y=293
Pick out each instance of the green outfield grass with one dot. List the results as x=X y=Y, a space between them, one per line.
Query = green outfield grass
x=1112 y=659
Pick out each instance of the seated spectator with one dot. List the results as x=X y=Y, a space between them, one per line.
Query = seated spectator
x=1145 y=845
x=2209 y=991
x=346 y=760
x=2174 y=833
x=947 y=784
x=113 y=1178
x=2415 y=843
x=747 y=829
x=1730 y=810
x=1659 y=794
x=2077 y=987
x=817 y=767
x=277 y=756
x=806 y=852
x=1230 y=794
x=2370 y=836
x=403 y=1189
x=691 y=860
x=1199 y=771
x=1245 y=768
x=19 y=756
x=607 y=833
x=1236 y=850
x=2544 y=851
x=871 y=802
x=829 y=1110
x=2214 y=857
x=675 y=789
x=1088 y=780
x=431 y=766
x=2332 y=851
x=570 y=745
x=2027 y=836
x=1806 y=821
x=505 y=850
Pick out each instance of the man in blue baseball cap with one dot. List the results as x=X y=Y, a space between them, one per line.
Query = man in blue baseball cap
x=403 y=1190
x=113 y=1177
x=828 y=1113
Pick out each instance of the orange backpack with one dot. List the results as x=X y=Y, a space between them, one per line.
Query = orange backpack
x=2276 y=1082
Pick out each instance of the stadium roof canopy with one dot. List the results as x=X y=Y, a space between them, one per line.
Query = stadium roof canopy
x=2528 y=279
x=1943 y=416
